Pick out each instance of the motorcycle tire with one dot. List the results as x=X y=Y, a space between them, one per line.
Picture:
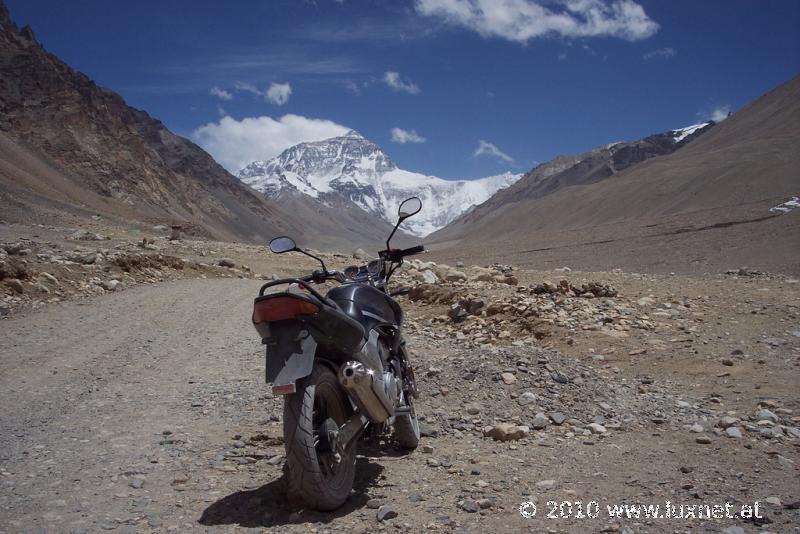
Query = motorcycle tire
x=314 y=475
x=406 y=427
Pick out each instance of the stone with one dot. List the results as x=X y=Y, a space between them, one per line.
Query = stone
x=733 y=432
x=455 y=276
x=508 y=378
x=545 y=484
x=386 y=512
x=469 y=505
x=557 y=418
x=48 y=278
x=226 y=262
x=473 y=409
x=766 y=415
x=505 y=432
x=774 y=501
x=596 y=428
x=359 y=254
x=526 y=398
x=374 y=504
x=427 y=430
x=703 y=440
x=15 y=285
x=696 y=428
x=111 y=285
x=727 y=421
x=429 y=277
x=728 y=362
x=540 y=421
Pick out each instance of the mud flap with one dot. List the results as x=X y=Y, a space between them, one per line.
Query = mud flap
x=290 y=356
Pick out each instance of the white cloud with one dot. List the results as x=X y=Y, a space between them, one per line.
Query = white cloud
x=235 y=144
x=248 y=88
x=406 y=136
x=393 y=80
x=486 y=148
x=661 y=53
x=221 y=111
x=222 y=94
x=278 y=93
x=720 y=113
x=523 y=20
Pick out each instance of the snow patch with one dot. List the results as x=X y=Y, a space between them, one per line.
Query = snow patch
x=787 y=206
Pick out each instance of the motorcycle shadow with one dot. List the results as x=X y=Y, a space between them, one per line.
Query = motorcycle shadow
x=268 y=505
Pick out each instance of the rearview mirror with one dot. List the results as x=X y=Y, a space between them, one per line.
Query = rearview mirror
x=409 y=207
x=283 y=244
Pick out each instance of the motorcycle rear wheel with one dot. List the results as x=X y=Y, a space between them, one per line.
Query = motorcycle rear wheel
x=314 y=473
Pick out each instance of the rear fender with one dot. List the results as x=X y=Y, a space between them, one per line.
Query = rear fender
x=290 y=356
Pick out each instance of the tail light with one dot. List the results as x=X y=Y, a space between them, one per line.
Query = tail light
x=281 y=308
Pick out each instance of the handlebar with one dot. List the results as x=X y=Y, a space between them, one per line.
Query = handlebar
x=399 y=254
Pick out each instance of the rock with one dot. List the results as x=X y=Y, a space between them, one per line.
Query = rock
x=427 y=430
x=136 y=483
x=86 y=235
x=427 y=449
x=374 y=504
x=455 y=276
x=540 y=421
x=733 y=432
x=727 y=362
x=505 y=432
x=428 y=277
x=226 y=262
x=485 y=503
x=110 y=285
x=386 y=512
x=596 y=428
x=696 y=428
x=774 y=501
x=469 y=505
x=727 y=421
x=508 y=378
x=15 y=285
x=473 y=409
x=545 y=484
x=48 y=278
x=703 y=440
x=645 y=301
x=359 y=254
x=766 y=415
x=457 y=313
x=557 y=418
x=526 y=398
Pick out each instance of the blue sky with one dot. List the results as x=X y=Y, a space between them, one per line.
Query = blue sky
x=469 y=87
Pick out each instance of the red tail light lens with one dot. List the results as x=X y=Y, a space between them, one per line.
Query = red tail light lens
x=281 y=308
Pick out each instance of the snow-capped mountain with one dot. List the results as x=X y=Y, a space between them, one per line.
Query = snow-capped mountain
x=353 y=168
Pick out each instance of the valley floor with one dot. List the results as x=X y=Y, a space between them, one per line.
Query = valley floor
x=145 y=410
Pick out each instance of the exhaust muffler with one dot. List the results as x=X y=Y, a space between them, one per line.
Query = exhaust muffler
x=367 y=390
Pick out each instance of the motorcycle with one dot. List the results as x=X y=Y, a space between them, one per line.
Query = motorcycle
x=342 y=365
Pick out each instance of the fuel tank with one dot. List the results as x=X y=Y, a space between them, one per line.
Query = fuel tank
x=367 y=305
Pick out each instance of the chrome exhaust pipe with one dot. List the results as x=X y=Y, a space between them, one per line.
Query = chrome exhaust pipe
x=367 y=391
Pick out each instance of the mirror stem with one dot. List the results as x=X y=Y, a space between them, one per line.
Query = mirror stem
x=315 y=257
x=396 y=226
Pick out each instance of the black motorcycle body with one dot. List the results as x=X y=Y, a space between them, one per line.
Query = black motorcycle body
x=341 y=362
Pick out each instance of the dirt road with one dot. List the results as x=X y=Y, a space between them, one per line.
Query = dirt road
x=145 y=410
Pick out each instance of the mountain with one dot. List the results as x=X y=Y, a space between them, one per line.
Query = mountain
x=70 y=149
x=705 y=206
x=350 y=170
x=572 y=170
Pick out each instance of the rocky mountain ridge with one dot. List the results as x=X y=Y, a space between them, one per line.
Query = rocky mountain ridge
x=356 y=172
